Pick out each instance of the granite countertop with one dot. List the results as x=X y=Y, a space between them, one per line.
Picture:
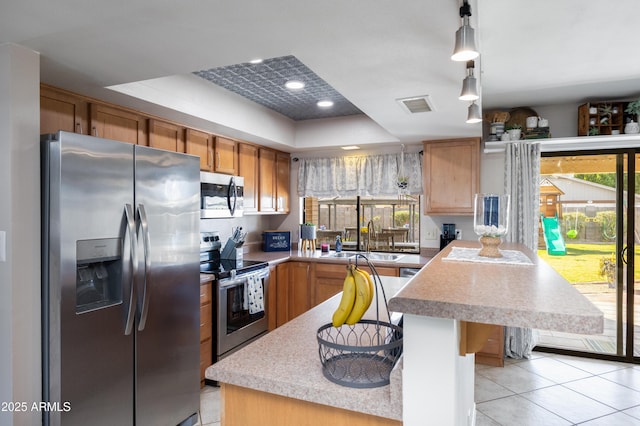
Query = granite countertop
x=534 y=295
x=286 y=362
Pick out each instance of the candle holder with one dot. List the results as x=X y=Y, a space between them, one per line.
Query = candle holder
x=491 y=222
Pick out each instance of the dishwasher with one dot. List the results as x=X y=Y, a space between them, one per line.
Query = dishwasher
x=408 y=272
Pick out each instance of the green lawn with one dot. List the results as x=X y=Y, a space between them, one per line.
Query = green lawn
x=581 y=264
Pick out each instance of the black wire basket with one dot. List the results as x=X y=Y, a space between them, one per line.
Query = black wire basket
x=361 y=355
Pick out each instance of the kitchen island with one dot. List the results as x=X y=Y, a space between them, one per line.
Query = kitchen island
x=282 y=373
x=448 y=294
x=434 y=382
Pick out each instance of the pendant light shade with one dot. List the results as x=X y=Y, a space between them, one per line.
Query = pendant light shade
x=465 y=48
x=474 y=115
x=469 y=85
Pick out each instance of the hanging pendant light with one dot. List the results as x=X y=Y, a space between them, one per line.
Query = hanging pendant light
x=465 y=48
x=473 y=115
x=469 y=85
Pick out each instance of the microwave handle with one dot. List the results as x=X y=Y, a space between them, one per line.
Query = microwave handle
x=232 y=196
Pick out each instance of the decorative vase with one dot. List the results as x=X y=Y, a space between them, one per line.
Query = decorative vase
x=490 y=246
x=491 y=221
x=632 y=127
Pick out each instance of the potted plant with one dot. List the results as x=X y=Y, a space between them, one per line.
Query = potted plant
x=308 y=231
x=515 y=131
x=633 y=109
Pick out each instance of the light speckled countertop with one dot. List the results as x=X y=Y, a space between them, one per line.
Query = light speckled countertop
x=534 y=296
x=286 y=362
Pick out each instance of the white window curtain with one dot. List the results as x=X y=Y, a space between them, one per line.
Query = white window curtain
x=522 y=183
x=352 y=176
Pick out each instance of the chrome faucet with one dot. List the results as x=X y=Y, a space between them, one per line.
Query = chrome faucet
x=369 y=232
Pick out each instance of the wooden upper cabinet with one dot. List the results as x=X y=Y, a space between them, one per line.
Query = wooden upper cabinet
x=267 y=164
x=451 y=173
x=62 y=111
x=112 y=123
x=166 y=136
x=282 y=182
x=200 y=144
x=248 y=169
x=225 y=160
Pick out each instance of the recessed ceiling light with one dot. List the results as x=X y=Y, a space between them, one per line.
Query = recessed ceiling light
x=255 y=61
x=350 y=147
x=325 y=104
x=294 y=85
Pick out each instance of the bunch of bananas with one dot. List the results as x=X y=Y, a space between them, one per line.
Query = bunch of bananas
x=357 y=294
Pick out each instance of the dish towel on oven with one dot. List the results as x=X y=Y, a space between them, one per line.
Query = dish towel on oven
x=256 y=294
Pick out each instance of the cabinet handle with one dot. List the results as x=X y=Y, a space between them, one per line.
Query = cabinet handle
x=217 y=160
x=211 y=159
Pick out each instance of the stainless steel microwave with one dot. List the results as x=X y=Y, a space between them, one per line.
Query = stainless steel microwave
x=220 y=195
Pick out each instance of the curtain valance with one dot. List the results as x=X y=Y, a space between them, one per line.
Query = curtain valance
x=351 y=176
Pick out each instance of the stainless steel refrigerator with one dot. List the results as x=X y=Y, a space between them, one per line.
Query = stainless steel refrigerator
x=120 y=283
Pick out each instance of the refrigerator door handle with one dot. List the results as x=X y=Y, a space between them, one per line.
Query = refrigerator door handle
x=144 y=292
x=128 y=281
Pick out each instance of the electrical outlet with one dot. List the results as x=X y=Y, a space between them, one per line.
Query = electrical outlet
x=431 y=233
x=458 y=234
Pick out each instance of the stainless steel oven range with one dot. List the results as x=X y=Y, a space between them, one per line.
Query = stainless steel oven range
x=240 y=292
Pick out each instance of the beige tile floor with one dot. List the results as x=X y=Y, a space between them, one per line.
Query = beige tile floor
x=545 y=390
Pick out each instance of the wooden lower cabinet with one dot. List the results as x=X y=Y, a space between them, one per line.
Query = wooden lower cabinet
x=329 y=279
x=294 y=290
x=272 y=299
x=267 y=409
x=303 y=285
x=206 y=328
x=492 y=353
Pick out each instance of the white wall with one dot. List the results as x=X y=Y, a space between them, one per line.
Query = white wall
x=20 y=378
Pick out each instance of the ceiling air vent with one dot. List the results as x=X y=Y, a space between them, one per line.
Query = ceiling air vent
x=416 y=104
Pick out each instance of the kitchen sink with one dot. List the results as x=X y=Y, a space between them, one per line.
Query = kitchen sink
x=341 y=254
x=383 y=256
x=389 y=257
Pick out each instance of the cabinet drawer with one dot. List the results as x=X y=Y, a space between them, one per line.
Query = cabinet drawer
x=205 y=293
x=205 y=322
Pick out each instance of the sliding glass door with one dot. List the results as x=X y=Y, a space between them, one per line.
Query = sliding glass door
x=588 y=211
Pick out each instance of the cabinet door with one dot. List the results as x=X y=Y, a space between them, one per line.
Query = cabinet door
x=293 y=294
x=300 y=288
x=225 y=156
x=166 y=136
x=200 y=144
x=492 y=353
x=451 y=176
x=329 y=281
x=206 y=328
x=272 y=299
x=248 y=169
x=282 y=293
x=282 y=182
x=62 y=111
x=267 y=189
x=119 y=125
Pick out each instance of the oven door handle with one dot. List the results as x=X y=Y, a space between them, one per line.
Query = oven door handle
x=232 y=282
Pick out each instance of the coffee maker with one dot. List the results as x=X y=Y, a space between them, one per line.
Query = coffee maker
x=448 y=234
